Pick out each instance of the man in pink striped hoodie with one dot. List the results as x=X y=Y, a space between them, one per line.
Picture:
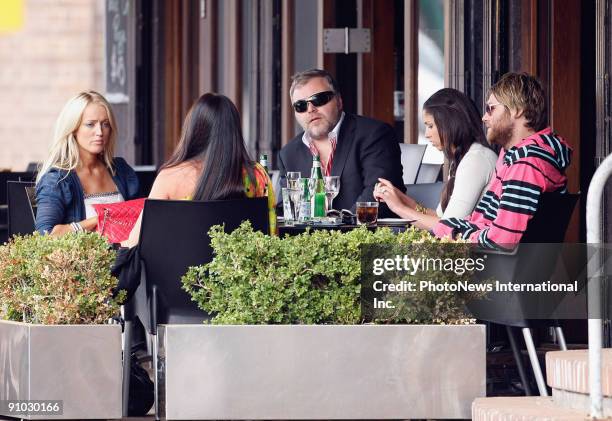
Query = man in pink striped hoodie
x=532 y=161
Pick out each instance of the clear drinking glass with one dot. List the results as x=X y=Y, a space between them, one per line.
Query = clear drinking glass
x=305 y=187
x=332 y=188
x=367 y=213
x=291 y=205
x=292 y=179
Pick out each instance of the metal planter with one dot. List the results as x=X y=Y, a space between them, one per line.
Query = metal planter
x=320 y=372
x=77 y=364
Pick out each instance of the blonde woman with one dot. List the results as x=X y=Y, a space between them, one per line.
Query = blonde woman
x=80 y=170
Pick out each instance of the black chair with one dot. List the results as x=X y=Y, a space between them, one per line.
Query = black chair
x=427 y=194
x=411 y=157
x=33 y=166
x=429 y=173
x=21 y=207
x=146 y=176
x=535 y=258
x=173 y=237
x=6 y=176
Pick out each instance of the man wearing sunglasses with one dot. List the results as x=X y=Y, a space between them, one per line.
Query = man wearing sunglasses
x=532 y=161
x=356 y=148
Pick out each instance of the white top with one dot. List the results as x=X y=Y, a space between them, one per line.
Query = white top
x=471 y=181
x=100 y=198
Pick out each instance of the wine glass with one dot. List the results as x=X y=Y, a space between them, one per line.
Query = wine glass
x=332 y=188
x=292 y=179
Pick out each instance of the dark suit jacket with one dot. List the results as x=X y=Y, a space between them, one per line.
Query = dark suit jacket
x=366 y=150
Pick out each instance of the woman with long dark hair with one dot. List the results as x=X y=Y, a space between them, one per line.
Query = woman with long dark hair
x=211 y=162
x=452 y=125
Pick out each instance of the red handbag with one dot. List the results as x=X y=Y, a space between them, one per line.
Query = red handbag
x=116 y=220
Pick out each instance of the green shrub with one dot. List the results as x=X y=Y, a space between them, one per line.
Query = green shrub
x=57 y=280
x=310 y=278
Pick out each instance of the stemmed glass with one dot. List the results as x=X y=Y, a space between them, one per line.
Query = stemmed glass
x=292 y=179
x=332 y=188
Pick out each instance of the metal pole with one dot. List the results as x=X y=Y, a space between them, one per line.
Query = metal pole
x=561 y=338
x=535 y=362
x=519 y=360
x=593 y=224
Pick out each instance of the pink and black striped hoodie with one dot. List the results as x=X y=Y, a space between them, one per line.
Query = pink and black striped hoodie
x=536 y=165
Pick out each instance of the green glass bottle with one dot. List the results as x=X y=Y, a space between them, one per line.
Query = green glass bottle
x=318 y=194
x=263 y=161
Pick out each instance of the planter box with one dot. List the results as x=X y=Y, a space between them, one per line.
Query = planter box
x=320 y=372
x=77 y=364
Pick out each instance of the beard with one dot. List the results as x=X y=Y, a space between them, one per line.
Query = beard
x=500 y=135
x=321 y=129
x=326 y=117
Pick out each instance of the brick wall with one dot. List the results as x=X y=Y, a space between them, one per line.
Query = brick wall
x=58 y=52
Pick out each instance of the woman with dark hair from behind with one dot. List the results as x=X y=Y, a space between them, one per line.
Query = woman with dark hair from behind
x=211 y=161
x=453 y=126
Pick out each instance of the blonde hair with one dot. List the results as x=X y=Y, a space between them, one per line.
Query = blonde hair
x=64 y=152
x=523 y=92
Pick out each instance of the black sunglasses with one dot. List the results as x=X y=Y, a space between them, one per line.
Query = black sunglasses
x=318 y=100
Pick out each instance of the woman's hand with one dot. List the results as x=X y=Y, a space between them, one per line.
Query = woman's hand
x=88 y=224
x=397 y=201
x=60 y=230
x=404 y=205
x=385 y=191
x=134 y=234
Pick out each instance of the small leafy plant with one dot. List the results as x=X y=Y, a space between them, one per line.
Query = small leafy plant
x=312 y=278
x=57 y=280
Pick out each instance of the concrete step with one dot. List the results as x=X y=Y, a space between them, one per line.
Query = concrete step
x=532 y=408
x=569 y=371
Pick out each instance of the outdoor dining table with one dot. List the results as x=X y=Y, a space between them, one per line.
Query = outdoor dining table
x=301 y=228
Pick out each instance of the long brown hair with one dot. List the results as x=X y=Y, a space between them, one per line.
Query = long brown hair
x=459 y=125
x=212 y=134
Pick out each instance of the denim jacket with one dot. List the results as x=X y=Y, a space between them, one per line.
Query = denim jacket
x=59 y=195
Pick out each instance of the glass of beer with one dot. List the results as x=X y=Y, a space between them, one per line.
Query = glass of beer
x=367 y=213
